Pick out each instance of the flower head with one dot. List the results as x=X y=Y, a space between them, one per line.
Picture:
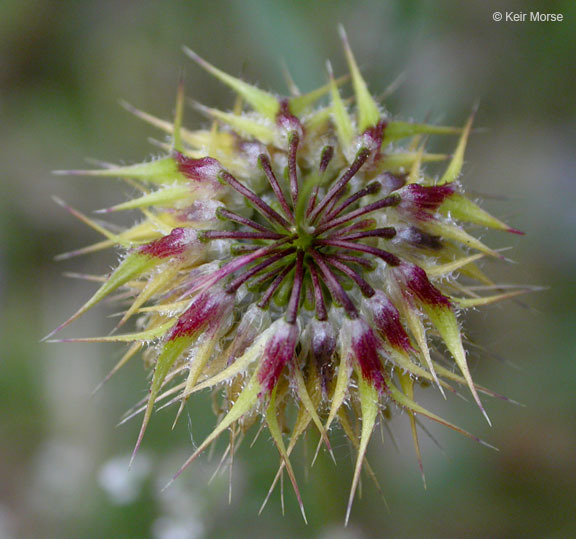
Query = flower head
x=295 y=256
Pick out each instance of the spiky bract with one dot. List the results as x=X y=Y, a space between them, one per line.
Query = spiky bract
x=294 y=256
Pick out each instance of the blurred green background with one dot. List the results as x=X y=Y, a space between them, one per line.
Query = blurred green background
x=63 y=464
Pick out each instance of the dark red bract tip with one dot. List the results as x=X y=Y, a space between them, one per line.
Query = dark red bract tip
x=203 y=169
x=278 y=352
x=365 y=346
x=418 y=284
x=173 y=244
x=206 y=310
x=422 y=200
x=387 y=321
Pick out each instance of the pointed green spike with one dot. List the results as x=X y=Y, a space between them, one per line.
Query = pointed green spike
x=196 y=139
x=301 y=424
x=398 y=130
x=309 y=405
x=452 y=232
x=289 y=80
x=341 y=117
x=405 y=402
x=299 y=103
x=263 y=102
x=246 y=125
x=163 y=170
x=368 y=112
x=444 y=320
x=163 y=125
x=469 y=268
x=416 y=169
x=400 y=358
x=162 y=197
x=134 y=265
x=449 y=267
x=459 y=379
x=465 y=210
x=276 y=433
x=197 y=365
x=99 y=246
x=115 y=239
x=313 y=388
x=158 y=221
x=140 y=336
x=414 y=323
x=243 y=404
x=300 y=427
x=473 y=271
x=154 y=285
x=401 y=161
x=130 y=353
x=170 y=353
x=178 y=116
x=369 y=399
x=174 y=307
x=455 y=167
x=393 y=86
x=477 y=302
x=353 y=438
x=407 y=384
x=250 y=355
x=443 y=371
x=341 y=389
x=142 y=232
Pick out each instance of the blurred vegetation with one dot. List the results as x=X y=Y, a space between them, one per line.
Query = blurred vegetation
x=62 y=461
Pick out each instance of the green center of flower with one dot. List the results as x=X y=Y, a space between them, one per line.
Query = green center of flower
x=305 y=237
x=311 y=248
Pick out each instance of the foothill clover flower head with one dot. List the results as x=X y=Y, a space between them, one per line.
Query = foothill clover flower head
x=300 y=261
